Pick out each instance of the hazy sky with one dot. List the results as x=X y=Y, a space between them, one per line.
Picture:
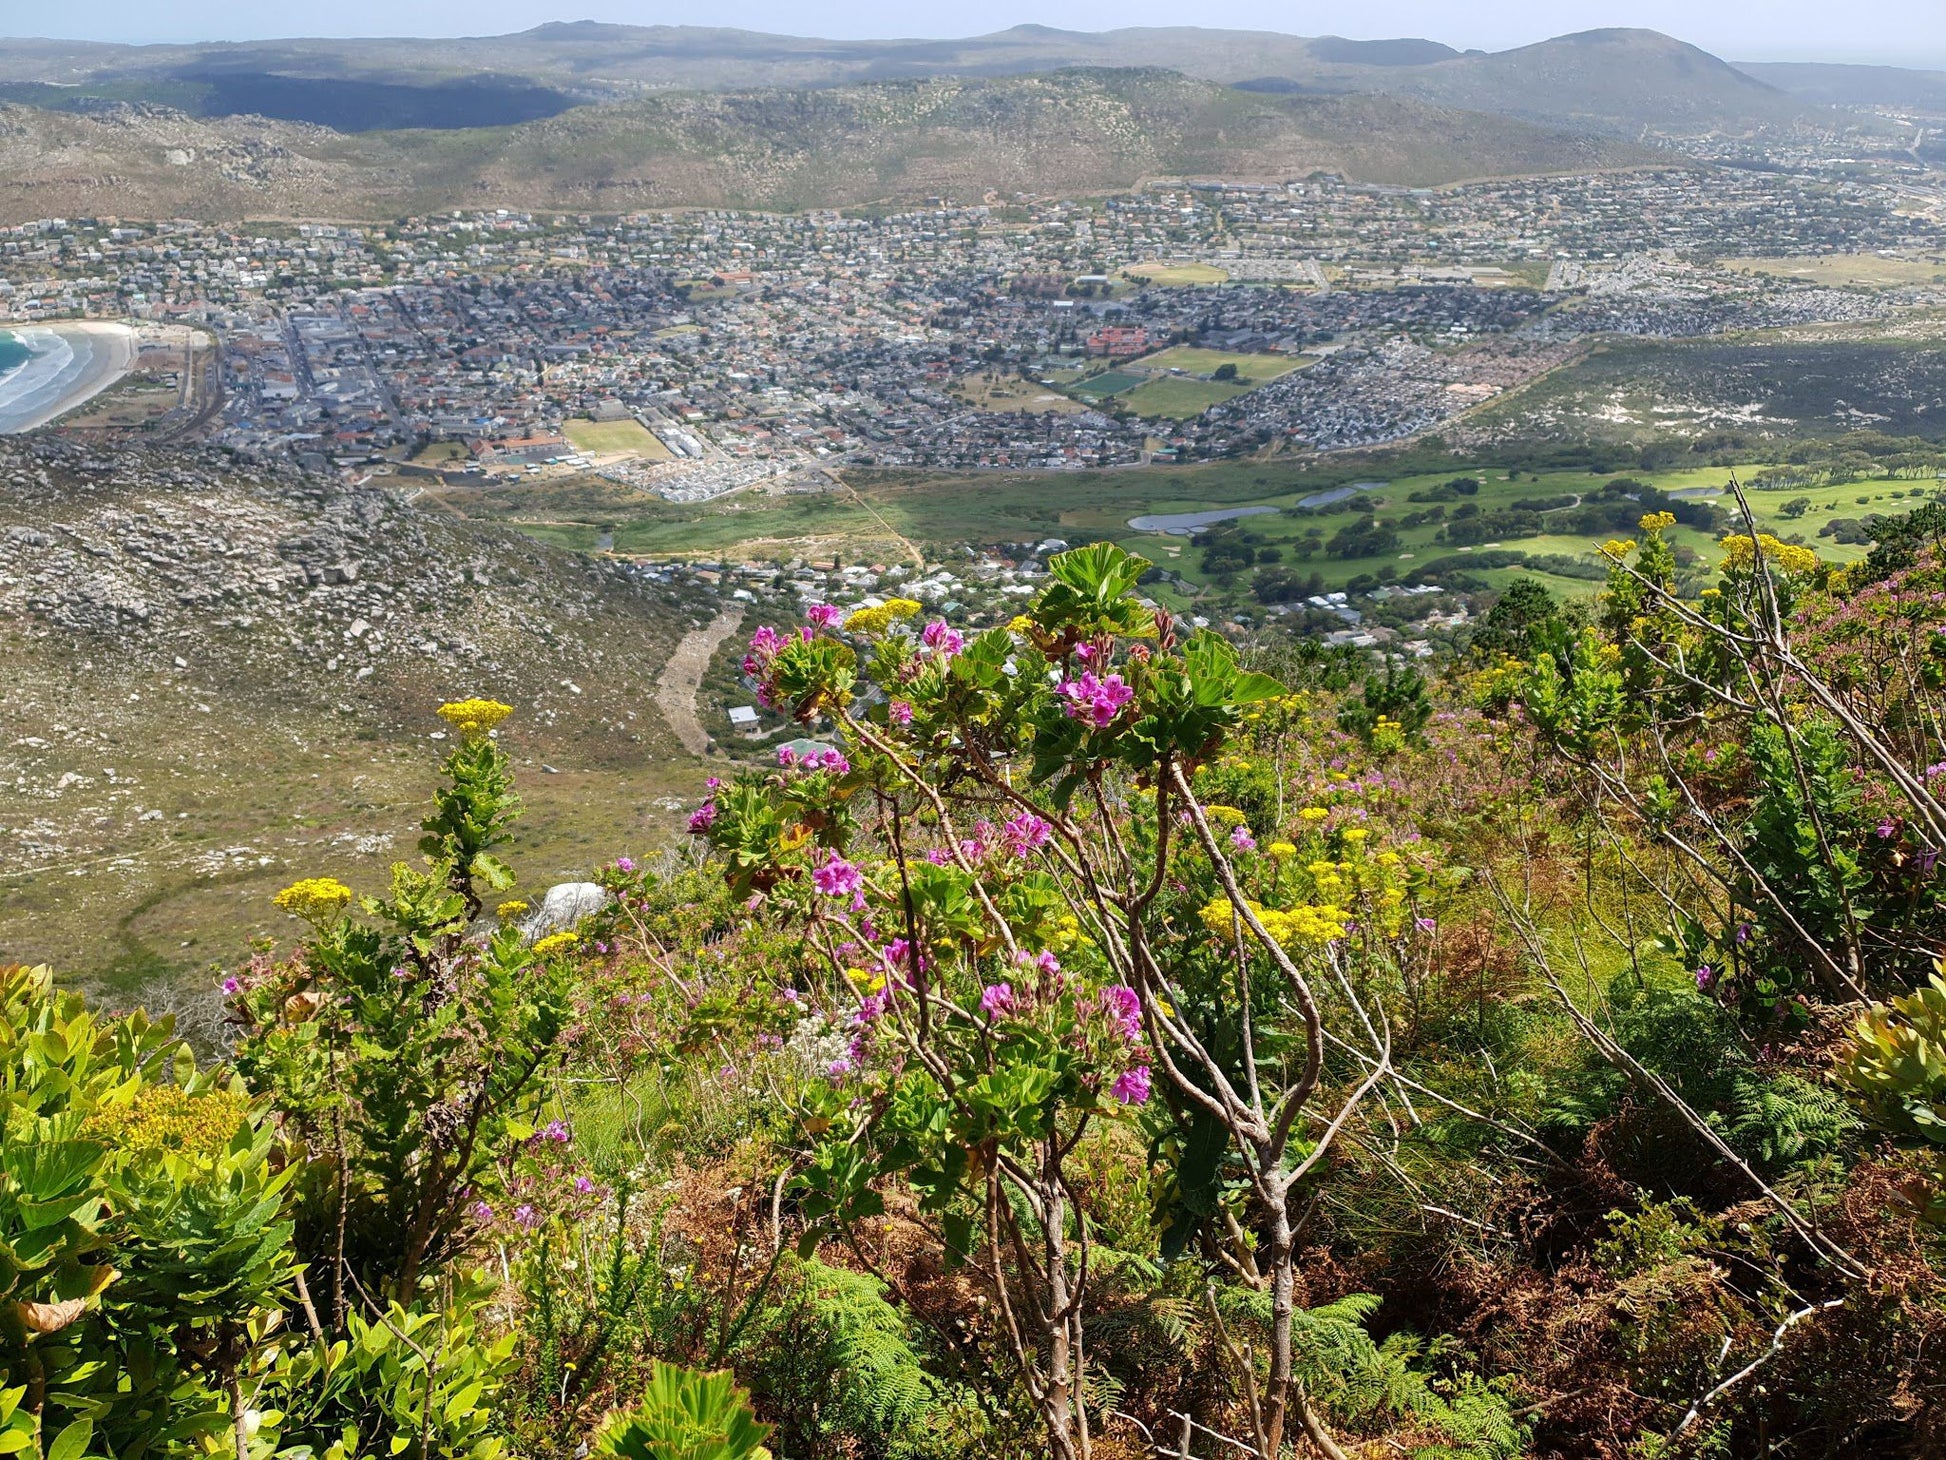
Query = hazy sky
x=1896 y=32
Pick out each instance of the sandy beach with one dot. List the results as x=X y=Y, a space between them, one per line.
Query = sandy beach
x=68 y=363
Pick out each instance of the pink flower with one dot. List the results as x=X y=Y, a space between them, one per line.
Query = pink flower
x=1097 y=700
x=583 y=1185
x=997 y=1000
x=786 y=757
x=1131 y=1086
x=1124 y=1009
x=766 y=641
x=1886 y=828
x=1242 y=840
x=833 y=759
x=1048 y=964
x=871 y=1009
x=837 y=878
x=702 y=818
x=823 y=615
x=624 y=864
x=1425 y=925
x=232 y=986
x=941 y=638
x=1084 y=652
x=1027 y=833
x=840 y=1067
x=899 y=712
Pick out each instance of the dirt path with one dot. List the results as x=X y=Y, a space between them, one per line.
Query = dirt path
x=682 y=676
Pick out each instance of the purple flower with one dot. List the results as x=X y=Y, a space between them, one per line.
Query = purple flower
x=1131 y=1086
x=702 y=818
x=1425 y=925
x=837 y=878
x=481 y=1212
x=713 y=782
x=1705 y=976
x=1048 y=964
x=871 y=1009
x=840 y=1067
x=1084 y=652
x=557 y=1132
x=786 y=757
x=766 y=641
x=833 y=759
x=997 y=1000
x=823 y=615
x=583 y=1185
x=624 y=864
x=899 y=712
x=1124 y=1009
x=1242 y=840
x=232 y=986
x=1027 y=833
x=942 y=638
x=1743 y=933
x=526 y=1216
x=939 y=856
x=1886 y=828
x=1926 y=859
x=1098 y=701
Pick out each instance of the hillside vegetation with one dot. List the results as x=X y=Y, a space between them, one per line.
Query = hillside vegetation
x=1615 y=82
x=216 y=673
x=1092 y=1044
x=1074 y=132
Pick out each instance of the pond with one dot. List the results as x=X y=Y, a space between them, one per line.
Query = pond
x=1185 y=524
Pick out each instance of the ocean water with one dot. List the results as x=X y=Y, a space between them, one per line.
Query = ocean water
x=45 y=365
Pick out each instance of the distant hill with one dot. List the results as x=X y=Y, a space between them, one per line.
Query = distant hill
x=1070 y=132
x=1895 y=87
x=1611 y=82
x=1620 y=82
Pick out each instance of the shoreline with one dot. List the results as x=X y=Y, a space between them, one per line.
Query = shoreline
x=110 y=351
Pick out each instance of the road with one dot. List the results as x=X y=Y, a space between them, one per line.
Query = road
x=682 y=676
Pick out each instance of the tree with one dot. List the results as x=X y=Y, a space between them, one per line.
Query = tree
x=1054 y=912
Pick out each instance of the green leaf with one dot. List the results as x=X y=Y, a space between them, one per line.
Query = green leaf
x=72 y=1442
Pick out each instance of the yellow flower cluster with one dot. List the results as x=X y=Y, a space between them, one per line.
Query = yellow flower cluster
x=314 y=898
x=555 y=943
x=1313 y=814
x=1225 y=815
x=1280 y=851
x=512 y=908
x=166 y=1118
x=474 y=718
x=1617 y=548
x=878 y=620
x=1658 y=521
x=1788 y=556
x=1306 y=923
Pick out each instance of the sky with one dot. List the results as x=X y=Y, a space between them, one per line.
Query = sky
x=1892 y=32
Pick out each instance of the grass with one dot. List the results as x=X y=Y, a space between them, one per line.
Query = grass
x=1848 y=270
x=998 y=392
x=615 y=438
x=1172 y=383
x=1175 y=274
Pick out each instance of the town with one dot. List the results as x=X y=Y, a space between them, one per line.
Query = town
x=698 y=352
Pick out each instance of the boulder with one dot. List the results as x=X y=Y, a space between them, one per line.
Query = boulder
x=565 y=905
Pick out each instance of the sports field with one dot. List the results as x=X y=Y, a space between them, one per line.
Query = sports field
x=615 y=438
x=1175 y=274
x=1850 y=270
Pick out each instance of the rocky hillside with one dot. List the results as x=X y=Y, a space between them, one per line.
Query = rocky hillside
x=218 y=676
x=1070 y=132
x=1613 y=82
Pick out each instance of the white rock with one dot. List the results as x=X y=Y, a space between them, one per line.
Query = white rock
x=565 y=904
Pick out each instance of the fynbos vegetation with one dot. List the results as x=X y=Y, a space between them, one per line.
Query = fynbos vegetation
x=1088 y=1041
